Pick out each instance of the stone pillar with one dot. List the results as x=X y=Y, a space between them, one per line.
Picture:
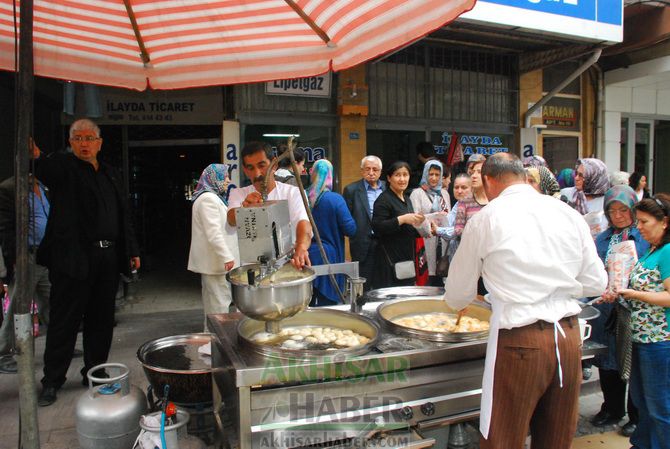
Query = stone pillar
x=352 y=109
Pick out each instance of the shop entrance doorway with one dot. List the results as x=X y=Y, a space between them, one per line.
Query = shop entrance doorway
x=560 y=151
x=162 y=174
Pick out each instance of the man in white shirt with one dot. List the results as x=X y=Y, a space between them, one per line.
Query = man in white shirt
x=536 y=257
x=256 y=161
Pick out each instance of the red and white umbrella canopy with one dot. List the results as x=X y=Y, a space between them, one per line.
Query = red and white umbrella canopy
x=175 y=44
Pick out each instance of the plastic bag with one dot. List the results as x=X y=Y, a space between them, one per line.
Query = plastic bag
x=620 y=262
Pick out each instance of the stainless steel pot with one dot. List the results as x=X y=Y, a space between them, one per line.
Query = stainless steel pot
x=280 y=295
x=362 y=325
x=175 y=361
x=392 y=310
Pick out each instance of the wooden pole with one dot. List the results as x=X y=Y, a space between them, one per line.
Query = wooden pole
x=25 y=356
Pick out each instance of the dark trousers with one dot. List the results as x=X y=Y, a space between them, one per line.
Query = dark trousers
x=614 y=395
x=367 y=266
x=526 y=389
x=73 y=301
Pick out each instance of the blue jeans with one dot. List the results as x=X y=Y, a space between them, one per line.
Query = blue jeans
x=650 y=388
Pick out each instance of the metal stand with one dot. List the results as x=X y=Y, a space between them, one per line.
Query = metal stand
x=355 y=283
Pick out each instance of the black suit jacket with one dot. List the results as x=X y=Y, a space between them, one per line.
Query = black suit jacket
x=357 y=200
x=68 y=238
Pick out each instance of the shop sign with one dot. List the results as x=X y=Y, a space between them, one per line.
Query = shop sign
x=474 y=144
x=174 y=107
x=312 y=154
x=591 y=19
x=313 y=86
x=561 y=113
x=230 y=147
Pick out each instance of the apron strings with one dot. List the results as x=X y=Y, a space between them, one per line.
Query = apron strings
x=558 y=329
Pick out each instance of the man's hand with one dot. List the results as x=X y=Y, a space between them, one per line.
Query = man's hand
x=135 y=263
x=300 y=258
x=229 y=265
x=608 y=297
x=35 y=150
x=252 y=198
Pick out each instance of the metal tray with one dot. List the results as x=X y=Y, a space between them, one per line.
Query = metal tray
x=384 y=294
x=391 y=310
x=362 y=325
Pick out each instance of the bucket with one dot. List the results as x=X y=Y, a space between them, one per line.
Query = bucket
x=176 y=435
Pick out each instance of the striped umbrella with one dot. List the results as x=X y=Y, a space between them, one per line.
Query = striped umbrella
x=174 y=44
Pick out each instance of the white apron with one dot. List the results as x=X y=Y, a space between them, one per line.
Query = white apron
x=486 y=406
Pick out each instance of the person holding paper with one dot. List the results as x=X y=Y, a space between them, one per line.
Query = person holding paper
x=618 y=204
x=433 y=201
x=648 y=298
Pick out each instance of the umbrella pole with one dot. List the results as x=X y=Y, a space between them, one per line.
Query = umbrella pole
x=22 y=319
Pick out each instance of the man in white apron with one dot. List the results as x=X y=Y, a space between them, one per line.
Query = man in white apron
x=536 y=256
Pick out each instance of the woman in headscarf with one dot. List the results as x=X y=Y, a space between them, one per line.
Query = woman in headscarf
x=591 y=182
x=333 y=221
x=566 y=178
x=534 y=161
x=431 y=198
x=214 y=250
x=544 y=181
x=618 y=204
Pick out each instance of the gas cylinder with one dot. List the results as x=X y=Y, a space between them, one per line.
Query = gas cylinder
x=108 y=415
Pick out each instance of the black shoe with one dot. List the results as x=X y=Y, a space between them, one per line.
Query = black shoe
x=628 y=429
x=8 y=364
x=603 y=418
x=47 y=396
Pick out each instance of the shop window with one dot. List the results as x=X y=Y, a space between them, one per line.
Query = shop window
x=432 y=81
x=315 y=141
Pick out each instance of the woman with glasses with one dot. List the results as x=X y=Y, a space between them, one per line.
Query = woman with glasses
x=648 y=298
x=591 y=183
x=619 y=202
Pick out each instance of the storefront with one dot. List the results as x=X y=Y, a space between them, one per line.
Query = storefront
x=637 y=121
x=304 y=108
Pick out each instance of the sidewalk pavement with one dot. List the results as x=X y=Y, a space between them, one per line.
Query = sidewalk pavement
x=164 y=307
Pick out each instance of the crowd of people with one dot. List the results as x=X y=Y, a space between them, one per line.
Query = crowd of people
x=531 y=241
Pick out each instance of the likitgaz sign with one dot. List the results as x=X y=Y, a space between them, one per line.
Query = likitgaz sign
x=475 y=144
x=313 y=86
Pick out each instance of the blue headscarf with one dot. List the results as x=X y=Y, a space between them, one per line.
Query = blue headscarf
x=213 y=179
x=322 y=181
x=435 y=193
x=621 y=193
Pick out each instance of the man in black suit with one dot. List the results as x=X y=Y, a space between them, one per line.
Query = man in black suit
x=88 y=242
x=360 y=197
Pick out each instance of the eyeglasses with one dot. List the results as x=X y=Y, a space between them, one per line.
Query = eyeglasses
x=579 y=175
x=662 y=206
x=84 y=138
x=614 y=211
x=372 y=169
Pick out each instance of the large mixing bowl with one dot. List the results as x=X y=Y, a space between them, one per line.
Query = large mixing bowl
x=281 y=295
x=318 y=317
x=392 y=310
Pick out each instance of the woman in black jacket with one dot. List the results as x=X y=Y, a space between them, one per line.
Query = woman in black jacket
x=393 y=221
